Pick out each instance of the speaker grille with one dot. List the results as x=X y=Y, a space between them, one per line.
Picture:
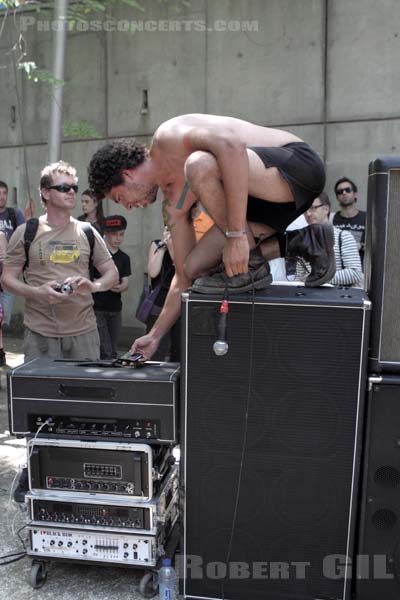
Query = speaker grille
x=384 y=519
x=387 y=476
x=390 y=347
x=379 y=529
x=300 y=399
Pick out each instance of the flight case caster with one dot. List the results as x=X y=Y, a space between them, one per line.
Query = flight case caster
x=38 y=574
x=148 y=585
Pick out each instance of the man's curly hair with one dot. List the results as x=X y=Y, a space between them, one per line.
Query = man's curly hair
x=105 y=168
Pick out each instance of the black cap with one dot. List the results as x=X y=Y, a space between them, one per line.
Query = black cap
x=114 y=223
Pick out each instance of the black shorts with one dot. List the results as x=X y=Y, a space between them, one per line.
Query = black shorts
x=304 y=171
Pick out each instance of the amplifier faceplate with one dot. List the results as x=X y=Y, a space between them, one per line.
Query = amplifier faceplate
x=94 y=546
x=108 y=514
x=86 y=402
x=95 y=467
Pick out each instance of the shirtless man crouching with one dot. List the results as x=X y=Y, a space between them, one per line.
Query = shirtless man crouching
x=252 y=180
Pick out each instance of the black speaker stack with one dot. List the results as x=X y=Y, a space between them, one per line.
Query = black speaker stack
x=379 y=538
x=291 y=439
x=103 y=483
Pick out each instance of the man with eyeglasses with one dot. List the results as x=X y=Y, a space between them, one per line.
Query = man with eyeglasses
x=348 y=263
x=59 y=317
x=349 y=217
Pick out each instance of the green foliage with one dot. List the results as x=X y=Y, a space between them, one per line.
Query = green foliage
x=80 y=130
x=35 y=74
x=79 y=10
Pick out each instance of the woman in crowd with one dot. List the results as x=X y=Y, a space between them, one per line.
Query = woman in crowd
x=161 y=269
x=92 y=211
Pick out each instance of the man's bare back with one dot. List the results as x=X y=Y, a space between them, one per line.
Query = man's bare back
x=171 y=147
x=238 y=170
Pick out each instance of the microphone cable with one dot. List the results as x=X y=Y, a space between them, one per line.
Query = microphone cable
x=244 y=441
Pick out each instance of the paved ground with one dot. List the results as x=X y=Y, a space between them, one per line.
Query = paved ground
x=65 y=581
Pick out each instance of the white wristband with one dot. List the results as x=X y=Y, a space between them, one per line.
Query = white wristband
x=235 y=234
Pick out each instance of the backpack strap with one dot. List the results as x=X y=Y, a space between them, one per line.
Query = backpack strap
x=13 y=218
x=88 y=231
x=31 y=228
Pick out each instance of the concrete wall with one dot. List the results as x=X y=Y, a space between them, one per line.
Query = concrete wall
x=328 y=70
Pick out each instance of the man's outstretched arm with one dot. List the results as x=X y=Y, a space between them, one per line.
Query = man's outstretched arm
x=183 y=239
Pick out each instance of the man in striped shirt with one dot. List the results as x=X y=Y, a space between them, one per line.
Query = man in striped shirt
x=348 y=263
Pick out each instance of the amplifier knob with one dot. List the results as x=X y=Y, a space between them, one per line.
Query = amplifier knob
x=137 y=433
x=84 y=542
x=126 y=545
x=126 y=554
x=84 y=551
x=78 y=485
x=52 y=542
x=60 y=543
x=148 y=434
x=69 y=544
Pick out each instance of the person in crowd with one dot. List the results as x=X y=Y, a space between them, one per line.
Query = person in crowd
x=108 y=304
x=10 y=218
x=348 y=262
x=161 y=270
x=92 y=211
x=3 y=250
x=59 y=318
x=252 y=180
x=349 y=217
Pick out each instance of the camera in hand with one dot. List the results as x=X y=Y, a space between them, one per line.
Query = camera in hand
x=65 y=288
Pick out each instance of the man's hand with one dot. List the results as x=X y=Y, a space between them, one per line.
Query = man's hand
x=117 y=288
x=146 y=345
x=236 y=255
x=47 y=292
x=81 y=285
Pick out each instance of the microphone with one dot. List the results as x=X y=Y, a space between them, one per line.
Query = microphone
x=220 y=347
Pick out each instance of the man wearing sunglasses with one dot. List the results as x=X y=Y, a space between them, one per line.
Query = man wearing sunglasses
x=59 y=318
x=349 y=217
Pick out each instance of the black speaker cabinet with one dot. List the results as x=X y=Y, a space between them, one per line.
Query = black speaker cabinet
x=271 y=443
x=378 y=572
x=382 y=263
